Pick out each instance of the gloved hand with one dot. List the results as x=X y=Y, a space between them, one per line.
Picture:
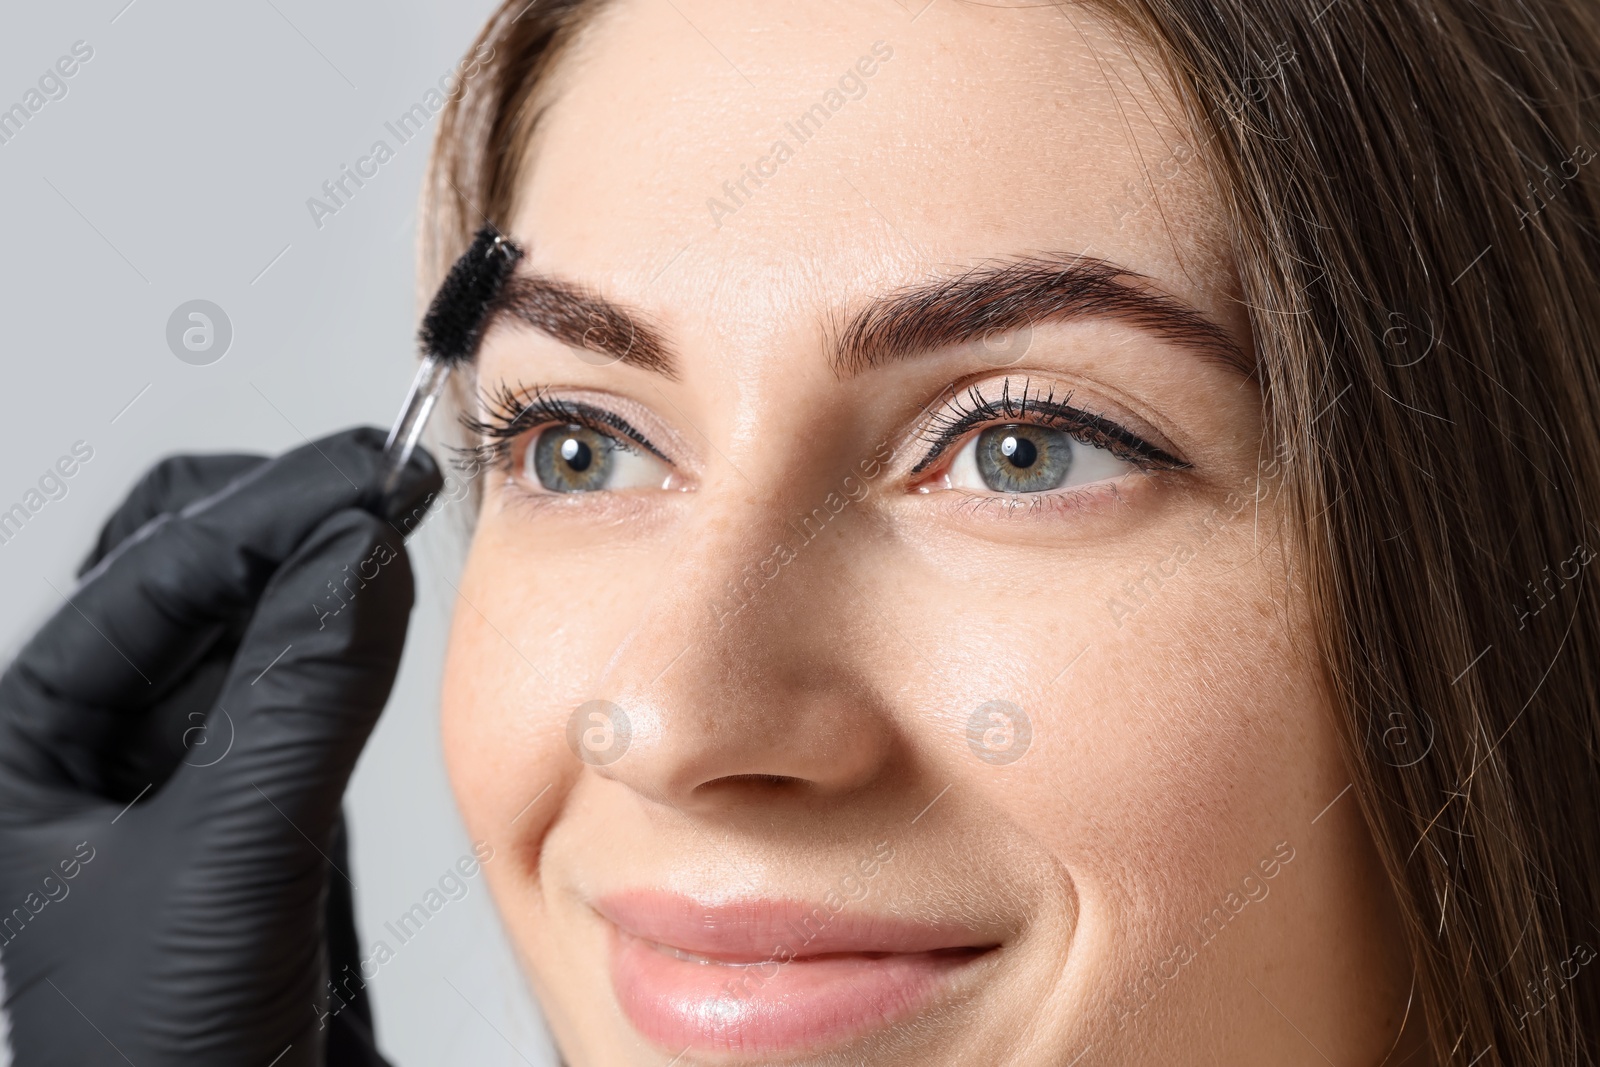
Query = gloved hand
x=174 y=744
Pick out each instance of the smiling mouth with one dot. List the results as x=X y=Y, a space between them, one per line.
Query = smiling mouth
x=764 y=977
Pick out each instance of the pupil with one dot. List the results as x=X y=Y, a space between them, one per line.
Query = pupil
x=576 y=454
x=1020 y=451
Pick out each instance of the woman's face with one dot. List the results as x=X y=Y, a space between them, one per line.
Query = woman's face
x=881 y=641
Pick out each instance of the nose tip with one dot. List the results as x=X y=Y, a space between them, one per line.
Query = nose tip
x=699 y=741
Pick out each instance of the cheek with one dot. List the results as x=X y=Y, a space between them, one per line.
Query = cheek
x=501 y=730
x=531 y=634
x=1200 y=737
x=1219 y=727
x=491 y=749
x=1167 y=755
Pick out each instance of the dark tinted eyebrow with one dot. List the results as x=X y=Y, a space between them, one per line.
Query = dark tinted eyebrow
x=927 y=317
x=584 y=320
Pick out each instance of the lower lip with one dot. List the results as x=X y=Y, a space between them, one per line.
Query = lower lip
x=771 y=1007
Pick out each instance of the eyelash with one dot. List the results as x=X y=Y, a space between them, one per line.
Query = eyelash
x=968 y=410
x=509 y=413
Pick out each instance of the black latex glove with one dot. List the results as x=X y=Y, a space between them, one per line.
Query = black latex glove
x=174 y=744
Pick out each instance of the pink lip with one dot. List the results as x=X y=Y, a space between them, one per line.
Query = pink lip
x=770 y=976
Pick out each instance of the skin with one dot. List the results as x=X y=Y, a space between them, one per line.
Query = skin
x=1178 y=744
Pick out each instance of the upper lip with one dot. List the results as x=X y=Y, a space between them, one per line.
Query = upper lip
x=756 y=930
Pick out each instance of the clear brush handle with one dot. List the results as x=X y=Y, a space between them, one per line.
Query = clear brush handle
x=425 y=390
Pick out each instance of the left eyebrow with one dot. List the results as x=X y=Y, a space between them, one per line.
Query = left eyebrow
x=927 y=317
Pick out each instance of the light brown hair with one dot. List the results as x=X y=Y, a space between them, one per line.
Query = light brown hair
x=1412 y=189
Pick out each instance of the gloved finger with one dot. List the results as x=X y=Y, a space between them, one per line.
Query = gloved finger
x=142 y=750
x=171 y=485
x=307 y=687
x=100 y=752
x=350 y=1040
x=146 y=612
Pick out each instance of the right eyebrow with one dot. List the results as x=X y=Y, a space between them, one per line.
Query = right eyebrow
x=583 y=319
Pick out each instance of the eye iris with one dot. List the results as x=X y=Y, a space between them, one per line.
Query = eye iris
x=1023 y=459
x=572 y=459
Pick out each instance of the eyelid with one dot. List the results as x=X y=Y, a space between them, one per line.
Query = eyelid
x=507 y=414
x=967 y=410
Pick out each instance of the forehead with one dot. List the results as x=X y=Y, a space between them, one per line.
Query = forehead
x=760 y=158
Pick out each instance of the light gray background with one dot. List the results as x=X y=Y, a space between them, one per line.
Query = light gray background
x=176 y=168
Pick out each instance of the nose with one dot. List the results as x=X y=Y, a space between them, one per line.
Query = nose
x=747 y=672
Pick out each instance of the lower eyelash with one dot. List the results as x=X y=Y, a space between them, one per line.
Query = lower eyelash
x=1078 y=498
x=598 y=507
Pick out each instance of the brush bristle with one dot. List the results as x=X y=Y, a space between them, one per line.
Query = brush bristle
x=454 y=323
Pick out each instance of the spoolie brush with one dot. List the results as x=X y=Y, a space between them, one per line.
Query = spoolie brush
x=450 y=334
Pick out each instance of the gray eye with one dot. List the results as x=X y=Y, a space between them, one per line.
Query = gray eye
x=1028 y=458
x=1023 y=459
x=572 y=459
